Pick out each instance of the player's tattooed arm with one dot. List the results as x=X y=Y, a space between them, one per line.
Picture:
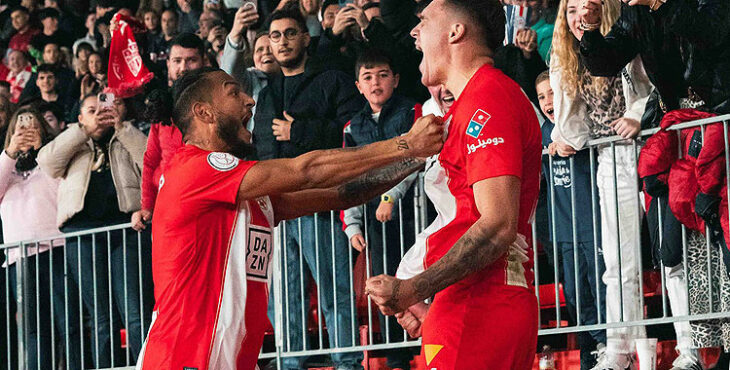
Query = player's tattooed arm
x=324 y=169
x=353 y=193
x=378 y=181
x=484 y=243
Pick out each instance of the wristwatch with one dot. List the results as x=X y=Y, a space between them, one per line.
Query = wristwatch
x=387 y=198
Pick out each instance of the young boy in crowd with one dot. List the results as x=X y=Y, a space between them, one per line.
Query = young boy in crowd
x=560 y=179
x=385 y=116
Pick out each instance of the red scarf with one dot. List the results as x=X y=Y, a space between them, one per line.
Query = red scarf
x=127 y=74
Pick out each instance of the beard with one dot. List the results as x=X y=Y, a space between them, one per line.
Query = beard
x=227 y=129
x=294 y=62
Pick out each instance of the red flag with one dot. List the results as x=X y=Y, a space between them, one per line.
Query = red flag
x=127 y=74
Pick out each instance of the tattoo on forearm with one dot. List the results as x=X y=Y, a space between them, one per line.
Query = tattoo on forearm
x=402 y=144
x=394 y=300
x=471 y=253
x=376 y=181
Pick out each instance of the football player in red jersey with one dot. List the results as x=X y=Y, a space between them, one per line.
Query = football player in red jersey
x=215 y=212
x=484 y=311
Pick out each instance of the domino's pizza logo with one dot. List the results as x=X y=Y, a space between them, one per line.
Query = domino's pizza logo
x=477 y=122
x=222 y=161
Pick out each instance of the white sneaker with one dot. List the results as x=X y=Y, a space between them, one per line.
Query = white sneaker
x=611 y=361
x=687 y=361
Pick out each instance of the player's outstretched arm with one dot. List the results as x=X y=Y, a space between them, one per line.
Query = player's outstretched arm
x=355 y=192
x=498 y=202
x=324 y=169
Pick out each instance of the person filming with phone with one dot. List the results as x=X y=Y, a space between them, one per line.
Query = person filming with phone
x=99 y=162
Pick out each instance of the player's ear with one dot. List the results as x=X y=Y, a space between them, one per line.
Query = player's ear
x=457 y=31
x=397 y=80
x=204 y=112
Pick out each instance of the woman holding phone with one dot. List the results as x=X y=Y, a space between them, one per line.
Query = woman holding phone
x=28 y=200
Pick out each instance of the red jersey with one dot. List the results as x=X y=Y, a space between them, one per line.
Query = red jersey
x=493 y=131
x=210 y=262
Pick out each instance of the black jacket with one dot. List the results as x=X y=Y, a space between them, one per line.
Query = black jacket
x=396 y=118
x=686 y=43
x=324 y=101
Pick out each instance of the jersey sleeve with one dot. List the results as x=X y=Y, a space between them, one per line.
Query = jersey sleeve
x=493 y=144
x=218 y=178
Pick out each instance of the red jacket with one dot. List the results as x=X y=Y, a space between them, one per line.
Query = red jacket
x=162 y=143
x=700 y=169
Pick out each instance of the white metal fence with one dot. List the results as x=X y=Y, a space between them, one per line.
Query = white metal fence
x=86 y=302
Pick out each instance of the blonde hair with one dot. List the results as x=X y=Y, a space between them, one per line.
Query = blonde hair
x=565 y=50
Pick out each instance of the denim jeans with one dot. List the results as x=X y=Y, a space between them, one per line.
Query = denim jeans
x=592 y=296
x=385 y=256
x=92 y=261
x=44 y=290
x=310 y=244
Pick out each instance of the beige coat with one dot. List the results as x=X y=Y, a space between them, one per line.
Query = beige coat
x=70 y=156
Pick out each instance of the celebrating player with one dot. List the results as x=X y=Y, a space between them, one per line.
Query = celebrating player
x=212 y=227
x=484 y=314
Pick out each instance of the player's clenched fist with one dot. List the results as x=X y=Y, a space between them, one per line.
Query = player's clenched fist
x=392 y=295
x=425 y=138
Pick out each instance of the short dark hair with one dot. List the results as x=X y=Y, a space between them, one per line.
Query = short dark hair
x=46 y=68
x=48 y=13
x=326 y=4
x=5 y=84
x=293 y=14
x=371 y=58
x=84 y=46
x=189 y=40
x=21 y=9
x=184 y=95
x=488 y=15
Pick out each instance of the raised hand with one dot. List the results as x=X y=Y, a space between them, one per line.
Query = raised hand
x=425 y=138
x=246 y=16
x=526 y=40
x=590 y=12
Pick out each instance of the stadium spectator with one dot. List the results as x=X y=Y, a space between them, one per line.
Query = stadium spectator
x=329 y=10
x=151 y=21
x=385 y=116
x=24 y=30
x=187 y=52
x=302 y=109
x=48 y=88
x=588 y=107
x=566 y=179
x=161 y=43
x=81 y=60
x=6 y=111
x=685 y=47
x=99 y=162
x=90 y=37
x=64 y=76
x=54 y=116
x=252 y=78
x=28 y=198
x=189 y=14
x=19 y=75
x=164 y=139
x=49 y=18
x=208 y=20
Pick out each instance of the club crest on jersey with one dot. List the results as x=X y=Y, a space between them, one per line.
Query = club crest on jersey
x=222 y=161
x=477 y=122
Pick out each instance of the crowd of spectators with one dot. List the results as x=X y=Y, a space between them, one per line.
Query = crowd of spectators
x=80 y=155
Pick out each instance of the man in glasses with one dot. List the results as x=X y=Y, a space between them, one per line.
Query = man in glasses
x=305 y=108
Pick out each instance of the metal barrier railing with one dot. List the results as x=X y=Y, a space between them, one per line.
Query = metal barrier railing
x=105 y=283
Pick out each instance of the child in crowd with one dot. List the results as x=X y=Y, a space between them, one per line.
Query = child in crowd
x=385 y=116
x=577 y=251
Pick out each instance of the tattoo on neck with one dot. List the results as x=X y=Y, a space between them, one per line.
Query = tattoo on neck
x=402 y=144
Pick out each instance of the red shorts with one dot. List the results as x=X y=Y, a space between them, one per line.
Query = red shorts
x=481 y=327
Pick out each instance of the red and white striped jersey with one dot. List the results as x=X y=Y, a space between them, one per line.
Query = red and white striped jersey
x=210 y=261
